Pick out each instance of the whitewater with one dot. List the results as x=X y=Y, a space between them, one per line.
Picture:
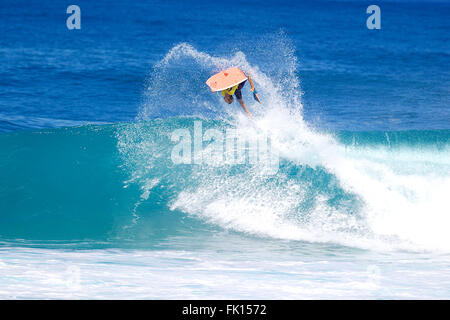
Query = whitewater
x=379 y=194
x=346 y=214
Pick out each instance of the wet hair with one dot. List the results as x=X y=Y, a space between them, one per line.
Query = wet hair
x=228 y=98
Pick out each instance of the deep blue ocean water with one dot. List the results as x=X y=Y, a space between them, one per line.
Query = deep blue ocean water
x=93 y=206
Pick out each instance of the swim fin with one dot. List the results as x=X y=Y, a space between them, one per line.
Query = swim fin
x=255 y=96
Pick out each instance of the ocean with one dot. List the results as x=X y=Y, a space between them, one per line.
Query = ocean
x=97 y=202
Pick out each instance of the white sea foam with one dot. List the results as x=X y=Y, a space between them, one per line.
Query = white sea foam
x=178 y=274
x=400 y=195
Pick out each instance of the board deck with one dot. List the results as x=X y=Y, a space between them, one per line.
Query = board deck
x=226 y=79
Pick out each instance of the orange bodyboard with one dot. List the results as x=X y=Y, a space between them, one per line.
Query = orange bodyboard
x=226 y=79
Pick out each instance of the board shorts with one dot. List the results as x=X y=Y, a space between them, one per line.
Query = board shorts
x=238 y=92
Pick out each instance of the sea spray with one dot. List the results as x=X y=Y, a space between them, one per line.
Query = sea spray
x=323 y=191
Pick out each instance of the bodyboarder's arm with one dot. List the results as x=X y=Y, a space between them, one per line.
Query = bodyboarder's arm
x=244 y=107
x=252 y=85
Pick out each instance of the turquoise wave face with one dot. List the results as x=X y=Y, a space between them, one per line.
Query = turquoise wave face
x=69 y=184
x=61 y=184
x=143 y=184
x=118 y=183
